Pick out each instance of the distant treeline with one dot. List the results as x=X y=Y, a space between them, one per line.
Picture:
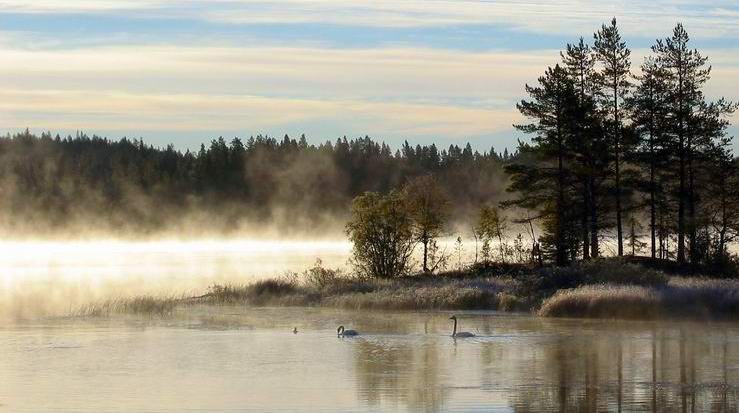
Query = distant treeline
x=57 y=183
x=645 y=157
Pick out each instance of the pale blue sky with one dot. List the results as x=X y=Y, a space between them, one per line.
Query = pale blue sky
x=426 y=71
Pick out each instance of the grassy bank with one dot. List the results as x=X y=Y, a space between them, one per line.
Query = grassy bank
x=679 y=298
x=597 y=289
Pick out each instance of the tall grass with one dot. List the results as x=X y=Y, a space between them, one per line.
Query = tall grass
x=362 y=293
x=487 y=294
x=603 y=301
x=680 y=297
x=147 y=305
x=601 y=288
x=324 y=287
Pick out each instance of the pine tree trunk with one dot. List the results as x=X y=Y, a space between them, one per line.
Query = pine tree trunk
x=594 y=247
x=693 y=252
x=584 y=222
x=721 y=250
x=681 y=192
x=681 y=210
x=586 y=185
x=652 y=190
x=617 y=137
x=662 y=249
x=653 y=217
x=561 y=250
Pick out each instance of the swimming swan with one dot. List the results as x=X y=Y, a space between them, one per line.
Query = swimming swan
x=340 y=332
x=461 y=334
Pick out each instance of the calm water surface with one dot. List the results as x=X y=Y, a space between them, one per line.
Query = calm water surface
x=229 y=359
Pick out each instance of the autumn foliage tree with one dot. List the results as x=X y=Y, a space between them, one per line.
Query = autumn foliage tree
x=381 y=232
x=428 y=207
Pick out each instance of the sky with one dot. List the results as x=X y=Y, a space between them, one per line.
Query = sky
x=441 y=71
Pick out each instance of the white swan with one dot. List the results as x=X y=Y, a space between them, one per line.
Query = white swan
x=461 y=334
x=340 y=332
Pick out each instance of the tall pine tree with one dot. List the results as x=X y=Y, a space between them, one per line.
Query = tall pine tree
x=686 y=71
x=648 y=115
x=544 y=184
x=614 y=56
x=579 y=61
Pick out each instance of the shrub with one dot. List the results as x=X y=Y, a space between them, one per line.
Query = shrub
x=381 y=232
x=493 y=268
x=599 y=271
x=257 y=293
x=320 y=277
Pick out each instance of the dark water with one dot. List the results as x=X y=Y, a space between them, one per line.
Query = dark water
x=231 y=359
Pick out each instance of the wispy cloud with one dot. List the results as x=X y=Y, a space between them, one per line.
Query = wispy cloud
x=90 y=110
x=639 y=17
x=553 y=16
x=394 y=92
x=391 y=68
x=75 y=6
x=415 y=75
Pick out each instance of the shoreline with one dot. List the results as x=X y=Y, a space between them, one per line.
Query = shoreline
x=606 y=289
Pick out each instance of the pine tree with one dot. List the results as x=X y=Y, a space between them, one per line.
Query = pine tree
x=724 y=186
x=716 y=183
x=649 y=117
x=579 y=61
x=686 y=71
x=543 y=183
x=614 y=57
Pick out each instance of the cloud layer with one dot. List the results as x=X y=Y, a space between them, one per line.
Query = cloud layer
x=418 y=70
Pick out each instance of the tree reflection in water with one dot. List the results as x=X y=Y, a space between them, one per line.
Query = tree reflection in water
x=584 y=368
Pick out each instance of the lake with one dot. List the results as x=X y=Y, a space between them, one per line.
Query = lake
x=228 y=359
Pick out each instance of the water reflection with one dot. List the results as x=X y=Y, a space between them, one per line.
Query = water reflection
x=226 y=359
x=561 y=367
x=666 y=371
x=405 y=374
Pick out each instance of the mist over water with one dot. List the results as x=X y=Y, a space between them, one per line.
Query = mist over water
x=42 y=278
x=55 y=277
x=248 y=360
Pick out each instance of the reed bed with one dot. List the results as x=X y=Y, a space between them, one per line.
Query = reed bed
x=697 y=298
x=343 y=292
x=142 y=305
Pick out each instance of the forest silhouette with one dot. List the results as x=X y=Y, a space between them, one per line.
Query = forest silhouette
x=56 y=184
